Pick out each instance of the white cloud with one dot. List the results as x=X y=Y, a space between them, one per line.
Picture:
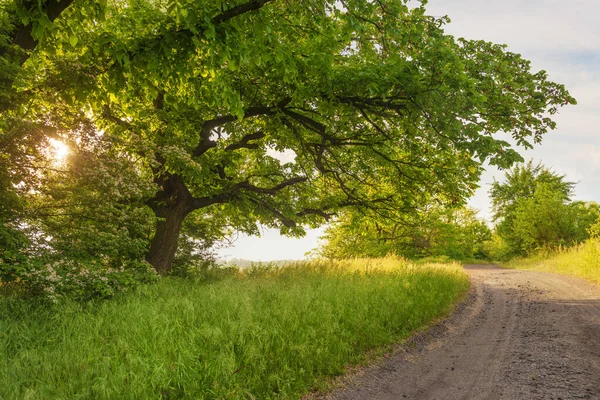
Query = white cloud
x=524 y=25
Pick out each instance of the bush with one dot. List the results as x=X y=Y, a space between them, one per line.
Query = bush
x=79 y=280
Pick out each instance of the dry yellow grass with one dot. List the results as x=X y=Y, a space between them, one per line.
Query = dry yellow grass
x=582 y=260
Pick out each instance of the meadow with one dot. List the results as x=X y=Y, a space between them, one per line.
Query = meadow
x=582 y=260
x=258 y=333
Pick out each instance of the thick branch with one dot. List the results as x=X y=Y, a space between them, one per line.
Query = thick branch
x=244 y=142
x=307 y=122
x=252 y=5
x=206 y=143
x=22 y=36
x=228 y=195
x=202 y=202
x=273 y=190
x=290 y=223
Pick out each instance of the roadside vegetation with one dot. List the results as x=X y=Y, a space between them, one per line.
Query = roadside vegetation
x=582 y=260
x=262 y=332
x=534 y=212
x=539 y=227
x=434 y=232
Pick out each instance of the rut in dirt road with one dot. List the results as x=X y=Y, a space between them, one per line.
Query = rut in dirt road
x=519 y=335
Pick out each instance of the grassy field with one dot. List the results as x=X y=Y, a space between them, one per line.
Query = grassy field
x=260 y=333
x=582 y=261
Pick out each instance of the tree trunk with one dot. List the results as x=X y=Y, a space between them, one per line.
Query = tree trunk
x=170 y=205
x=164 y=244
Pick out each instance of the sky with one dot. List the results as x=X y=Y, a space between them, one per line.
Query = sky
x=559 y=36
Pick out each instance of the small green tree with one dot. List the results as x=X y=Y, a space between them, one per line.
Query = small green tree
x=533 y=210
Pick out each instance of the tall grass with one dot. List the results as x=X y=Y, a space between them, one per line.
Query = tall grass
x=260 y=333
x=582 y=260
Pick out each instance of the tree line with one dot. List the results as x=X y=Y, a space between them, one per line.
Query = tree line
x=532 y=209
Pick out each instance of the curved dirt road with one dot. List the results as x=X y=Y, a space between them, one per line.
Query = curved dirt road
x=519 y=335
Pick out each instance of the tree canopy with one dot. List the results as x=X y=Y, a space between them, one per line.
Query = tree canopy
x=533 y=210
x=234 y=113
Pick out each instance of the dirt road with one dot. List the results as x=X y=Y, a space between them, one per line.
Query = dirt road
x=519 y=335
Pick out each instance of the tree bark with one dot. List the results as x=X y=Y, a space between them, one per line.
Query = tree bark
x=166 y=238
x=170 y=205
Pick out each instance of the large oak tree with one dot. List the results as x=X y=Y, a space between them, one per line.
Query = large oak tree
x=272 y=111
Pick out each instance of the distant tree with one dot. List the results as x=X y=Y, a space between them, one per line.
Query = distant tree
x=378 y=108
x=465 y=236
x=522 y=182
x=455 y=233
x=533 y=210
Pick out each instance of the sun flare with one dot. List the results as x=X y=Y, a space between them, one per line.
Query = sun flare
x=58 y=150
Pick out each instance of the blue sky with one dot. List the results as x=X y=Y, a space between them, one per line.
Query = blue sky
x=560 y=36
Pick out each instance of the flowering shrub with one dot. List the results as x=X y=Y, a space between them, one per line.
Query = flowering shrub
x=81 y=280
x=12 y=259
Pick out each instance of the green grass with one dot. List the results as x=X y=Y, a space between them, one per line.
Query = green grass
x=582 y=261
x=262 y=333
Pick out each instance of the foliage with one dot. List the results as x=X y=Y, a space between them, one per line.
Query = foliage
x=582 y=260
x=53 y=282
x=454 y=233
x=27 y=121
x=533 y=210
x=92 y=206
x=265 y=333
x=594 y=230
x=13 y=240
x=87 y=225
x=375 y=104
x=12 y=257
